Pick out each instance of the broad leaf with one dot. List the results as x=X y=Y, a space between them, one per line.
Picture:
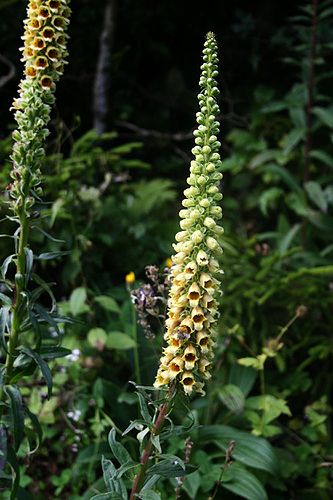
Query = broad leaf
x=243 y=483
x=107 y=303
x=119 y=340
x=249 y=450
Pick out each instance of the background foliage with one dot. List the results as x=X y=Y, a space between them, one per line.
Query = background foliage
x=114 y=200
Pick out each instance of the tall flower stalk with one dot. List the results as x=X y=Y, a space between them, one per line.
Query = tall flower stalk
x=43 y=54
x=192 y=306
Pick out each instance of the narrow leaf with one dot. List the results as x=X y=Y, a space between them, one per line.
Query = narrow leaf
x=42 y=365
x=17 y=409
x=118 y=450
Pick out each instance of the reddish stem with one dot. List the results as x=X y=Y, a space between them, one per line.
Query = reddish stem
x=138 y=480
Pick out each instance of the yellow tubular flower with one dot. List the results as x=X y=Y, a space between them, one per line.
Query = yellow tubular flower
x=192 y=305
x=44 y=18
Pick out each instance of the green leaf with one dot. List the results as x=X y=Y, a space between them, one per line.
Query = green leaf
x=12 y=460
x=192 y=484
x=290 y=140
x=150 y=482
x=7 y=301
x=107 y=303
x=109 y=474
x=249 y=450
x=47 y=317
x=243 y=483
x=268 y=198
x=232 y=397
x=322 y=156
x=77 y=301
x=4 y=318
x=56 y=207
x=286 y=240
x=118 y=340
x=285 y=176
x=325 y=115
x=5 y=265
x=3 y=447
x=17 y=408
x=243 y=377
x=97 y=337
x=45 y=286
x=50 y=352
x=51 y=255
x=29 y=258
x=144 y=409
x=149 y=495
x=42 y=365
x=271 y=406
x=118 y=450
x=316 y=194
x=170 y=467
x=36 y=426
x=107 y=496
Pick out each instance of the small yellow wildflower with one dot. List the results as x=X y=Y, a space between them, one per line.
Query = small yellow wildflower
x=130 y=278
x=168 y=262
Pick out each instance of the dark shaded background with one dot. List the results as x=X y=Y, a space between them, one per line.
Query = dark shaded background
x=155 y=61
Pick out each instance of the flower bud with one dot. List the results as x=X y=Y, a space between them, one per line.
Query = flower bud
x=209 y=222
x=197 y=237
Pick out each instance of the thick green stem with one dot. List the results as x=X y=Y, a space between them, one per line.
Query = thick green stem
x=17 y=303
x=19 y=288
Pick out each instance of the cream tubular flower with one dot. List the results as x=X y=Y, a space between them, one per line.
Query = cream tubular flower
x=192 y=304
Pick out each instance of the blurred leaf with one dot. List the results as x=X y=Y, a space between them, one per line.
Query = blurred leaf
x=243 y=483
x=243 y=377
x=268 y=197
x=149 y=495
x=291 y=140
x=192 y=484
x=316 y=194
x=249 y=450
x=322 y=156
x=107 y=303
x=118 y=340
x=46 y=372
x=285 y=242
x=97 y=337
x=77 y=301
x=271 y=406
x=232 y=397
x=325 y=115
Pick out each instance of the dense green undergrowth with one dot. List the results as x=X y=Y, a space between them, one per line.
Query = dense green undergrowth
x=270 y=394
